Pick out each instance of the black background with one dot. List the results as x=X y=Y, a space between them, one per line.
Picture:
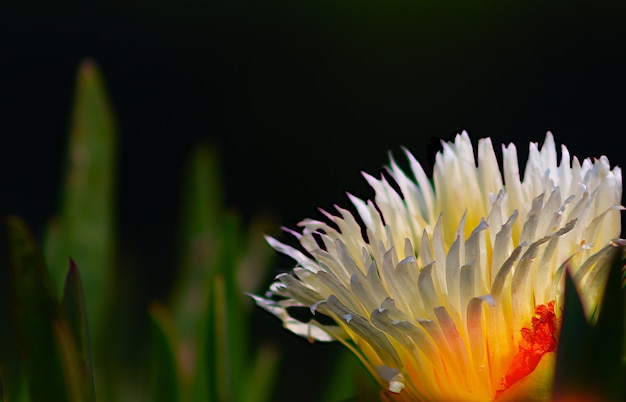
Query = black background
x=298 y=95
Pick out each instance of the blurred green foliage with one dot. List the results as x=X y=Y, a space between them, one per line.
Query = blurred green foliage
x=85 y=227
x=589 y=355
x=59 y=344
x=41 y=327
x=67 y=304
x=198 y=348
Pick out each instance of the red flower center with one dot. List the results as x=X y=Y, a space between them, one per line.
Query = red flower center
x=535 y=342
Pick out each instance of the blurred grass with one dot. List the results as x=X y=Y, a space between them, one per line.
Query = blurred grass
x=76 y=312
x=34 y=312
x=198 y=344
x=589 y=355
x=350 y=381
x=164 y=385
x=85 y=227
x=199 y=347
x=47 y=348
x=209 y=300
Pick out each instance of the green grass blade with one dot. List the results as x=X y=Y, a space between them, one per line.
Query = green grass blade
x=200 y=241
x=350 y=381
x=234 y=317
x=208 y=301
x=201 y=374
x=341 y=384
x=261 y=377
x=603 y=375
x=202 y=198
x=36 y=314
x=84 y=230
x=572 y=353
x=227 y=335
x=70 y=357
x=165 y=376
x=253 y=263
x=76 y=313
x=220 y=369
x=224 y=337
x=588 y=361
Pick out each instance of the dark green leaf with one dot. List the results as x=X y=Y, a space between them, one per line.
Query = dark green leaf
x=604 y=366
x=341 y=385
x=37 y=316
x=218 y=357
x=350 y=381
x=202 y=197
x=234 y=317
x=70 y=357
x=84 y=230
x=252 y=267
x=571 y=357
x=76 y=313
x=261 y=377
x=225 y=360
x=200 y=243
x=165 y=377
x=589 y=356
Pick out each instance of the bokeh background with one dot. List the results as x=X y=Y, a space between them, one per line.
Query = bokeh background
x=298 y=96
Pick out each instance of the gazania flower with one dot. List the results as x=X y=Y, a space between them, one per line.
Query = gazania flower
x=452 y=291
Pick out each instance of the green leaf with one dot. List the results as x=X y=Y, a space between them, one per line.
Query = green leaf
x=253 y=263
x=165 y=376
x=84 y=231
x=202 y=197
x=589 y=356
x=233 y=318
x=261 y=377
x=70 y=357
x=604 y=373
x=208 y=302
x=341 y=385
x=571 y=357
x=350 y=381
x=201 y=377
x=218 y=358
x=200 y=242
x=76 y=313
x=37 y=316
x=225 y=358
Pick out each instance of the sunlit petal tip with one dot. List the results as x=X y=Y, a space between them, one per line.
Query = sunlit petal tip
x=451 y=289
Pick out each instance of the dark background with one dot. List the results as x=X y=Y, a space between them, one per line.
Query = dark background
x=299 y=96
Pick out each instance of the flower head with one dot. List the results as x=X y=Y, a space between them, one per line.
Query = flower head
x=452 y=291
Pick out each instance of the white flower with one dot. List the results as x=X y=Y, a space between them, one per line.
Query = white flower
x=453 y=292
